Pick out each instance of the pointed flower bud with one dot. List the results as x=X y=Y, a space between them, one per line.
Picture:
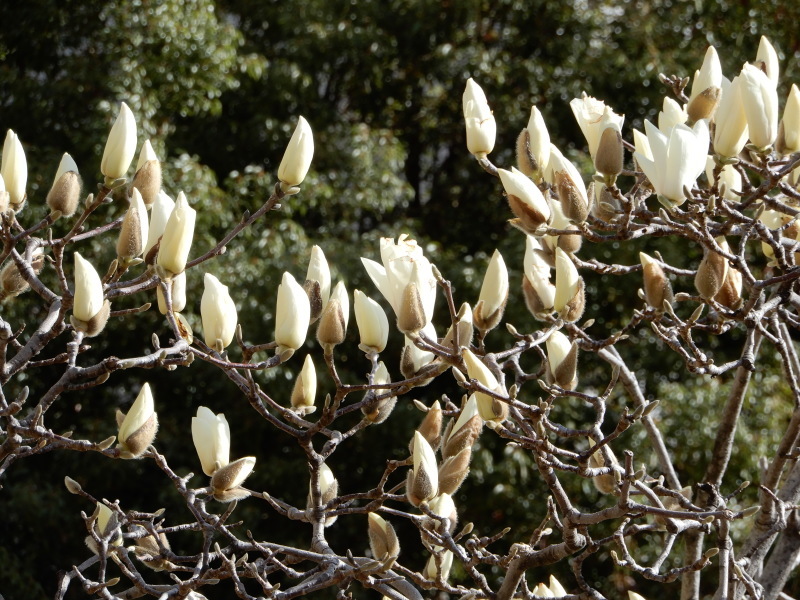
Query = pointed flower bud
x=120 y=145
x=226 y=481
x=657 y=288
x=328 y=489
x=88 y=299
x=333 y=322
x=305 y=389
x=148 y=174
x=134 y=231
x=774 y=220
x=767 y=57
x=461 y=435
x=212 y=439
x=569 y=186
x=14 y=169
x=562 y=361
x=106 y=526
x=712 y=271
x=4 y=197
x=423 y=479
x=218 y=312
x=378 y=409
x=292 y=315
x=176 y=240
x=533 y=146
x=760 y=101
x=383 y=540
x=373 y=326
x=138 y=428
x=730 y=133
x=318 y=282
x=161 y=210
x=297 y=158
x=556 y=587
x=64 y=194
x=490 y=408
x=481 y=126
x=494 y=294
x=569 y=298
x=453 y=471
x=413 y=359
x=464 y=326
x=431 y=426
x=706 y=88
x=525 y=200
x=538 y=291
x=542 y=591
x=406 y=281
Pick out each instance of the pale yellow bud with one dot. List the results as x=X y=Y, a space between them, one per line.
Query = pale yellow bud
x=120 y=145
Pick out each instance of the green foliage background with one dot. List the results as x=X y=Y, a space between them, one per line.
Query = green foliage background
x=217 y=87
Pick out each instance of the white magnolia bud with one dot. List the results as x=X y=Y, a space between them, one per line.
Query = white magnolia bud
x=423 y=480
x=730 y=134
x=159 y=215
x=373 y=325
x=212 y=439
x=383 y=540
x=569 y=288
x=525 y=200
x=539 y=292
x=432 y=573
x=494 y=294
x=120 y=145
x=332 y=327
x=769 y=58
x=178 y=294
x=297 y=157
x=147 y=178
x=177 y=238
x=569 y=185
x=562 y=358
x=706 y=88
x=556 y=587
x=14 y=170
x=481 y=126
x=760 y=101
x=594 y=117
x=318 y=282
x=218 y=312
x=790 y=126
x=305 y=388
x=88 y=300
x=292 y=315
x=538 y=141
x=490 y=409
x=138 y=428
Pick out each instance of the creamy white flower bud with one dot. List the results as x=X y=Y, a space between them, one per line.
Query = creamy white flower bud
x=383 y=540
x=138 y=428
x=305 y=388
x=539 y=292
x=493 y=296
x=730 y=134
x=147 y=178
x=569 y=288
x=120 y=145
x=480 y=123
x=569 y=185
x=490 y=409
x=218 y=312
x=373 y=325
x=525 y=200
x=64 y=194
x=88 y=300
x=706 y=88
x=594 y=117
x=318 y=282
x=176 y=241
x=423 y=479
x=562 y=359
x=542 y=591
x=556 y=587
x=297 y=157
x=760 y=101
x=534 y=143
x=159 y=216
x=292 y=315
x=178 y=294
x=790 y=126
x=432 y=572
x=332 y=327
x=769 y=58
x=212 y=439
x=14 y=169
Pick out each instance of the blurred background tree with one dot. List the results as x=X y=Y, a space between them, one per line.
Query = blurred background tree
x=217 y=87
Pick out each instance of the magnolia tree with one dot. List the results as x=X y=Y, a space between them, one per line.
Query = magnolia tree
x=742 y=213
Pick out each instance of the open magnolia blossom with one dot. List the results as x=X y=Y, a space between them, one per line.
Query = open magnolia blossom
x=481 y=126
x=678 y=160
x=670 y=115
x=120 y=145
x=406 y=281
x=602 y=128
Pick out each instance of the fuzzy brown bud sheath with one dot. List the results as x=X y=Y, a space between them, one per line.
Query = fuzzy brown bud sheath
x=134 y=231
x=138 y=428
x=305 y=388
x=148 y=551
x=569 y=187
x=431 y=426
x=730 y=294
x=704 y=105
x=562 y=361
x=453 y=471
x=462 y=434
x=148 y=174
x=526 y=162
x=12 y=283
x=494 y=295
x=525 y=200
x=657 y=288
x=227 y=480
x=411 y=317
x=609 y=157
x=383 y=540
x=333 y=322
x=712 y=271
x=64 y=195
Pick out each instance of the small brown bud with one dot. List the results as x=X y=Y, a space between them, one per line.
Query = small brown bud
x=431 y=426
x=453 y=471
x=575 y=307
x=65 y=193
x=609 y=156
x=526 y=162
x=711 y=274
x=133 y=233
x=572 y=201
x=657 y=288
x=528 y=218
x=148 y=181
x=314 y=291
x=332 y=327
x=704 y=105
x=411 y=317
